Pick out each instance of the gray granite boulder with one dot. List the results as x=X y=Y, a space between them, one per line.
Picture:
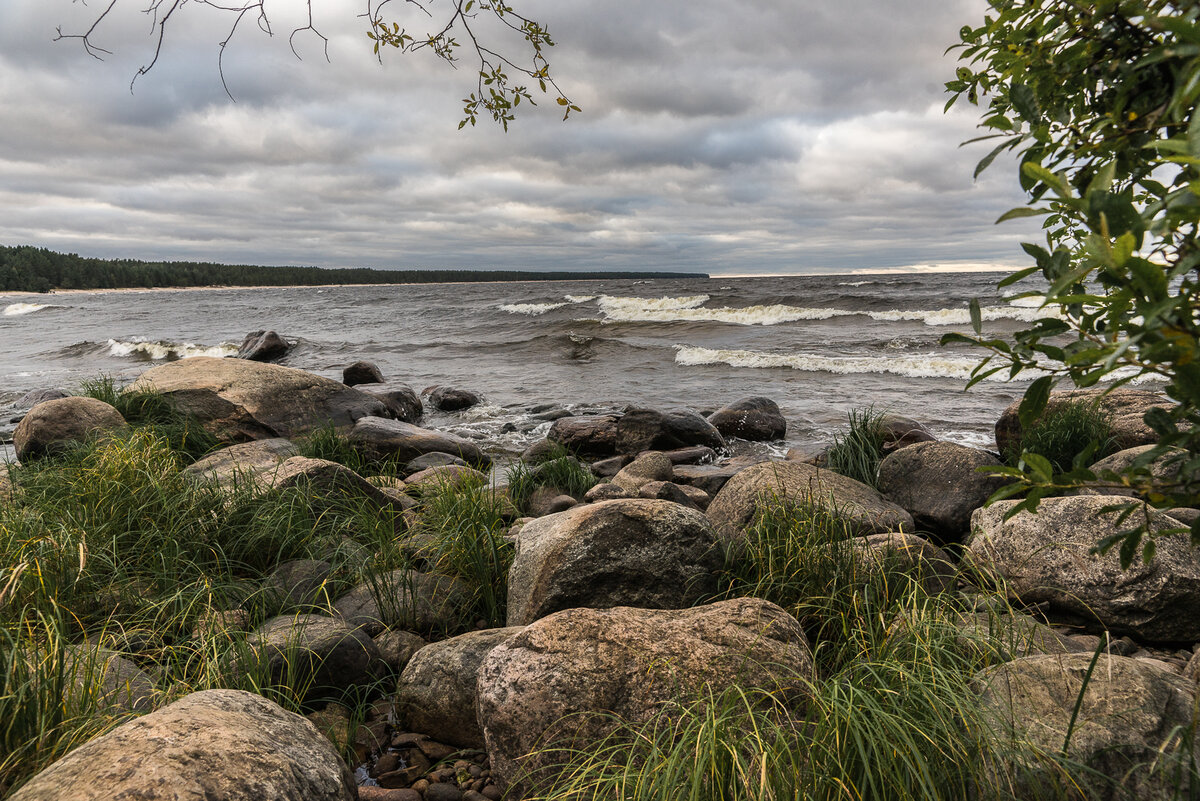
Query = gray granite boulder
x=321 y=654
x=243 y=463
x=263 y=346
x=54 y=425
x=562 y=679
x=1126 y=407
x=939 y=484
x=587 y=435
x=216 y=744
x=381 y=440
x=436 y=693
x=409 y=599
x=1047 y=558
x=645 y=553
x=238 y=400
x=1127 y=726
x=770 y=483
x=650 y=466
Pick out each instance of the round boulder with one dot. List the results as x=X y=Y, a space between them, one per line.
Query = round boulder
x=756 y=418
x=401 y=400
x=564 y=678
x=437 y=691
x=54 y=425
x=361 y=373
x=227 y=744
x=647 y=553
x=409 y=599
x=244 y=462
x=939 y=484
x=263 y=346
x=1047 y=558
x=1127 y=723
x=741 y=497
x=450 y=399
x=322 y=654
x=586 y=435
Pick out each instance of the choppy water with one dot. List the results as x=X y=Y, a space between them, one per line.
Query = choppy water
x=817 y=345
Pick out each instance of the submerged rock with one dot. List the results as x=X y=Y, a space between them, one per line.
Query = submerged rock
x=263 y=346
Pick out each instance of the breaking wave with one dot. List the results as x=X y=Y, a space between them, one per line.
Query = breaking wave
x=923 y=366
x=532 y=309
x=171 y=351
x=17 y=309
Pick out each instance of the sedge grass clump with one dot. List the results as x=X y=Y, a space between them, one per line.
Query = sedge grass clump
x=857 y=451
x=144 y=408
x=465 y=529
x=330 y=444
x=558 y=469
x=1066 y=433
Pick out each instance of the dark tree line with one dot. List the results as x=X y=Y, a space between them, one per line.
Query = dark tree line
x=30 y=269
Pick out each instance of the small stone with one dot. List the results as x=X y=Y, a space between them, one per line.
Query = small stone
x=366 y=793
x=491 y=792
x=443 y=792
x=473 y=795
x=421 y=785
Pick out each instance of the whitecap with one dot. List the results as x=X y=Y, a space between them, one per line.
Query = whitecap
x=532 y=309
x=930 y=365
x=687 y=309
x=580 y=298
x=855 y=283
x=17 y=309
x=160 y=350
x=938 y=317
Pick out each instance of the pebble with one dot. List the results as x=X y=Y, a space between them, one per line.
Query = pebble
x=491 y=792
x=443 y=792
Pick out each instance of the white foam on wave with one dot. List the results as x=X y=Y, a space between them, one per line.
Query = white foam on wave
x=930 y=365
x=17 y=309
x=580 y=298
x=168 y=350
x=855 y=283
x=938 y=317
x=532 y=309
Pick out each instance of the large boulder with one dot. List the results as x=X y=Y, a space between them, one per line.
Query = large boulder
x=382 y=440
x=587 y=435
x=1047 y=558
x=565 y=678
x=1126 y=721
x=263 y=346
x=327 y=483
x=883 y=556
x=1126 y=407
x=436 y=694
x=755 y=418
x=939 y=484
x=239 y=400
x=54 y=425
x=647 y=429
x=409 y=599
x=1000 y=635
x=246 y=462
x=636 y=552
x=107 y=680
x=226 y=744
x=864 y=509
x=1163 y=470
x=323 y=655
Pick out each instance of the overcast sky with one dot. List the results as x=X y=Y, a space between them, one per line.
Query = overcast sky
x=757 y=137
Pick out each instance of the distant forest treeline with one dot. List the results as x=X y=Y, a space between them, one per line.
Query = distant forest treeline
x=29 y=269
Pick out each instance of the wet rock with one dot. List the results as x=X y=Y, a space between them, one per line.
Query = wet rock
x=263 y=346
x=35 y=396
x=53 y=426
x=381 y=440
x=1132 y=716
x=586 y=436
x=401 y=400
x=436 y=693
x=900 y=432
x=541 y=687
x=450 y=399
x=696 y=454
x=646 y=553
x=239 y=400
x=227 y=744
x=864 y=509
x=757 y=419
x=939 y=484
x=647 y=429
x=1047 y=558
x=361 y=373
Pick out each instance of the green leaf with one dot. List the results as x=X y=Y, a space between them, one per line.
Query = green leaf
x=1021 y=211
x=976 y=316
x=1025 y=102
x=1034 y=402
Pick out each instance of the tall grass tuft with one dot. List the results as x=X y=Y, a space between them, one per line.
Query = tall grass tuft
x=559 y=470
x=330 y=444
x=146 y=408
x=1066 y=433
x=857 y=451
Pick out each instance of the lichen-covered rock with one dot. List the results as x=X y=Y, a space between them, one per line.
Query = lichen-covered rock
x=651 y=466
x=54 y=425
x=1048 y=558
x=755 y=418
x=564 y=677
x=226 y=744
x=436 y=694
x=645 y=553
x=1129 y=729
x=381 y=439
x=863 y=508
x=939 y=484
x=238 y=400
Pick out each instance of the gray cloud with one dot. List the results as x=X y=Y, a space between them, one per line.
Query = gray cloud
x=754 y=137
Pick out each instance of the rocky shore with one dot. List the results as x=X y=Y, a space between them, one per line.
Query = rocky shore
x=613 y=607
